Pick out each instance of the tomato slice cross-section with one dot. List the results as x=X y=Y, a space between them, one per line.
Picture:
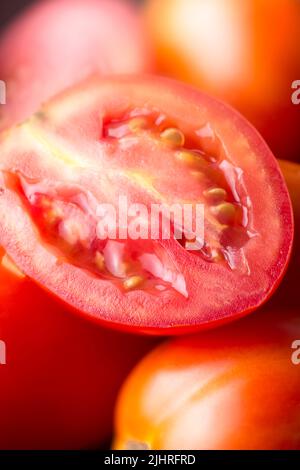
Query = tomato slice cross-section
x=137 y=147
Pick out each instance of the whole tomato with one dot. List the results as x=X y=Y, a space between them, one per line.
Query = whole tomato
x=287 y=294
x=237 y=387
x=291 y=173
x=245 y=52
x=59 y=375
x=56 y=43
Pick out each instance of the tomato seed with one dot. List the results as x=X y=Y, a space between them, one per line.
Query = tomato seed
x=133 y=282
x=53 y=215
x=216 y=194
x=225 y=212
x=9 y=265
x=138 y=123
x=173 y=137
x=198 y=175
x=99 y=261
x=191 y=159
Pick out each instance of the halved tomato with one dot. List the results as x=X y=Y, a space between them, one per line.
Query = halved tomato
x=151 y=141
x=237 y=387
x=59 y=374
x=56 y=43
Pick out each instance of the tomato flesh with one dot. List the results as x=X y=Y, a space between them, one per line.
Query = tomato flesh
x=107 y=139
x=66 y=215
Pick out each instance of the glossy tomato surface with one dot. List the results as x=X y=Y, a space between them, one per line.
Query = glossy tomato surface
x=291 y=173
x=59 y=375
x=56 y=43
x=150 y=141
x=287 y=295
x=245 y=52
x=237 y=387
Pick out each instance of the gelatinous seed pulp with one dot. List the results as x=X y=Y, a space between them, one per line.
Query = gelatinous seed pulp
x=66 y=223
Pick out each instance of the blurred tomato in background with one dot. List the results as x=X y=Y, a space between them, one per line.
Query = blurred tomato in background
x=287 y=296
x=245 y=52
x=56 y=43
x=62 y=374
x=237 y=387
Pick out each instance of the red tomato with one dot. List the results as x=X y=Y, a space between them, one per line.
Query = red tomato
x=245 y=52
x=153 y=141
x=237 y=387
x=62 y=374
x=287 y=295
x=56 y=43
x=291 y=172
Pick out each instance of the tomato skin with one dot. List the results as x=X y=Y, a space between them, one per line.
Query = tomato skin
x=56 y=43
x=225 y=48
x=233 y=388
x=287 y=294
x=62 y=374
x=291 y=173
x=231 y=294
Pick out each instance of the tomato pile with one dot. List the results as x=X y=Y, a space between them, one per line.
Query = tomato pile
x=89 y=123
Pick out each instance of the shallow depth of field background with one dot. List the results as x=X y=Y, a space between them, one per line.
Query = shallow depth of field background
x=9 y=8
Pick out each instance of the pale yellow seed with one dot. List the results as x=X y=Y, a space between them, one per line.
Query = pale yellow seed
x=216 y=194
x=125 y=267
x=138 y=123
x=133 y=282
x=53 y=215
x=198 y=175
x=225 y=212
x=173 y=137
x=217 y=255
x=10 y=266
x=99 y=261
x=46 y=203
x=191 y=159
